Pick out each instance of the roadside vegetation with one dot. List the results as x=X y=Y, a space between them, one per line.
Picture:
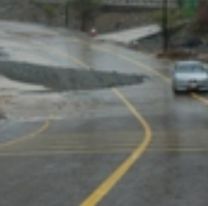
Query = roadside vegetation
x=176 y=17
x=187 y=34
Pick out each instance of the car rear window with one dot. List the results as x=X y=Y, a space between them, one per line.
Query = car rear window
x=189 y=68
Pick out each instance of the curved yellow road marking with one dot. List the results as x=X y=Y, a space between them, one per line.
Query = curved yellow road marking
x=162 y=76
x=146 y=67
x=117 y=175
x=46 y=125
x=113 y=179
x=107 y=185
x=43 y=128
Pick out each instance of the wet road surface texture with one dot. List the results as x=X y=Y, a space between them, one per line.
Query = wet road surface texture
x=57 y=153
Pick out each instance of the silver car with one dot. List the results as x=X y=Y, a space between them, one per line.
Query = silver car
x=189 y=76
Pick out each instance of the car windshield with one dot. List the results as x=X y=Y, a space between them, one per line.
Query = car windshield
x=190 y=68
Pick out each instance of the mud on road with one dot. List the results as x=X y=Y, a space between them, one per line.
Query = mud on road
x=59 y=79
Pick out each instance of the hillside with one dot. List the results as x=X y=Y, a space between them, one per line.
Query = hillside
x=54 y=14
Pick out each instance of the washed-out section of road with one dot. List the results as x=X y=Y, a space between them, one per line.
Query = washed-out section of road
x=58 y=79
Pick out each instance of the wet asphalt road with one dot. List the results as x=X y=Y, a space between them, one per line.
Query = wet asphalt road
x=61 y=161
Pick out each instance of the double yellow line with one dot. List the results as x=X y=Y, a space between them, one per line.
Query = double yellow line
x=198 y=97
x=112 y=180
x=105 y=187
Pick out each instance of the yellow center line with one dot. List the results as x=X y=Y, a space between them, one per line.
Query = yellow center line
x=100 y=145
x=182 y=149
x=31 y=135
x=161 y=75
x=146 y=67
x=46 y=152
x=105 y=187
x=65 y=152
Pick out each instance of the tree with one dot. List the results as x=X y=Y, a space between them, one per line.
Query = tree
x=203 y=13
x=165 y=32
x=201 y=22
x=85 y=9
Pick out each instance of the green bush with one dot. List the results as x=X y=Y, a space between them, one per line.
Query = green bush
x=175 y=17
